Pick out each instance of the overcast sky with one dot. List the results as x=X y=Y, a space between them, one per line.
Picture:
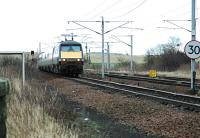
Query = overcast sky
x=25 y=23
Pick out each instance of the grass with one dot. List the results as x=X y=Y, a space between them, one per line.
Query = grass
x=27 y=108
x=27 y=118
x=183 y=71
x=118 y=62
x=114 y=58
x=38 y=109
x=32 y=112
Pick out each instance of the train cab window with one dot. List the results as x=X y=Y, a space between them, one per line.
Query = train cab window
x=70 y=48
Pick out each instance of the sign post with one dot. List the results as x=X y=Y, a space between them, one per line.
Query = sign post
x=192 y=50
x=192 y=47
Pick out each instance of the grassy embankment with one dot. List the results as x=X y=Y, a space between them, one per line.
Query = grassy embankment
x=118 y=62
x=28 y=110
x=183 y=71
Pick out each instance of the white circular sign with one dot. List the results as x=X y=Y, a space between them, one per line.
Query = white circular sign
x=192 y=49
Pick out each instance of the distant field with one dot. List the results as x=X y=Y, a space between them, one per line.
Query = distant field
x=115 y=58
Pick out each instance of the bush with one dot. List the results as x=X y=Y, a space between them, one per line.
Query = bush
x=166 y=57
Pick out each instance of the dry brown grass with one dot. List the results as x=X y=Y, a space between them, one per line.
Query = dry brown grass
x=26 y=117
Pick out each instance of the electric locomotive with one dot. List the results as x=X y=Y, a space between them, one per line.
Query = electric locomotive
x=66 y=58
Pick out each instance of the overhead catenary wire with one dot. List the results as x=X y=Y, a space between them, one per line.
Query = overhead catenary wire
x=138 y=5
x=150 y=23
x=105 y=9
x=173 y=18
x=130 y=11
x=182 y=15
x=179 y=8
x=173 y=13
x=95 y=8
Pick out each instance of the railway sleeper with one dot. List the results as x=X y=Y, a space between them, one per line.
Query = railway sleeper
x=163 y=100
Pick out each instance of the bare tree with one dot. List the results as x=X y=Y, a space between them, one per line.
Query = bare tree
x=166 y=57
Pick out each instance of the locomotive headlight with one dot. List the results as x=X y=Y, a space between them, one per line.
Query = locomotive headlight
x=63 y=59
x=78 y=59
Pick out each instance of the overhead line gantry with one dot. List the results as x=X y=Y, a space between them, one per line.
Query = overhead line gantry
x=102 y=33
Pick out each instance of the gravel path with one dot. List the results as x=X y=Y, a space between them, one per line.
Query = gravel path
x=146 y=115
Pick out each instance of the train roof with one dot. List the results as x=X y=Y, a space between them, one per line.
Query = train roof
x=70 y=42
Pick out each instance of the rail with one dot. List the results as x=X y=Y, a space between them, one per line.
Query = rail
x=166 y=81
x=186 y=101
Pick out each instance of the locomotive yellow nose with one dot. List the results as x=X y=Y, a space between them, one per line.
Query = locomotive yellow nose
x=71 y=54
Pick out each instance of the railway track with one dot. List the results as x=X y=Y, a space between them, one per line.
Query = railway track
x=166 y=81
x=180 y=100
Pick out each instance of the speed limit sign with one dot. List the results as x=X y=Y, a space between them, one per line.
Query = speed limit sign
x=192 y=49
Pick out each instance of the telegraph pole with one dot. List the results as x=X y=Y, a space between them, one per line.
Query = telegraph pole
x=89 y=59
x=131 y=45
x=102 y=33
x=108 y=55
x=86 y=52
x=108 y=52
x=193 y=37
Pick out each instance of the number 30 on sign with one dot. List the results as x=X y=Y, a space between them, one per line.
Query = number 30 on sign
x=192 y=49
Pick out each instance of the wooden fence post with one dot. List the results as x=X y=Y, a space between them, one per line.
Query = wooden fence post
x=4 y=90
